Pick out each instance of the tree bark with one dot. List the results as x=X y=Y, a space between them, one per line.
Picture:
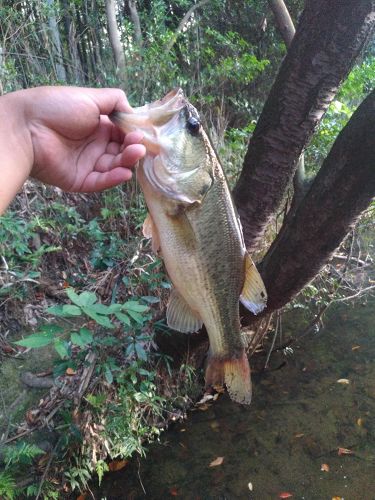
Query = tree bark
x=56 y=42
x=329 y=37
x=134 y=16
x=74 y=67
x=114 y=38
x=343 y=188
x=283 y=20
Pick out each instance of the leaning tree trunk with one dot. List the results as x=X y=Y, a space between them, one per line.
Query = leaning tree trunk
x=343 y=188
x=114 y=37
x=329 y=37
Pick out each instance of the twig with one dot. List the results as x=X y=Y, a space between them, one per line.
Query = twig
x=277 y=329
x=139 y=476
x=48 y=466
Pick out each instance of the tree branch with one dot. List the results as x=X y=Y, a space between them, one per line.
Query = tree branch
x=283 y=20
x=183 y=23
x=329 y=37
x=341 y=191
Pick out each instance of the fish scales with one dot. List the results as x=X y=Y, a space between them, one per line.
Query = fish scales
x=195 y=227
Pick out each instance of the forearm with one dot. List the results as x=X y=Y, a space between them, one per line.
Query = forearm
x=16 y=151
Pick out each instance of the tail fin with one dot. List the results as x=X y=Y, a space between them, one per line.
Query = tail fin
x=234 y=372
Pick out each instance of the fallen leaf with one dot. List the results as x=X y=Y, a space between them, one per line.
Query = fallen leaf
x=337 y=498
x=117 y=465
x=343 y=381
x=219 y=388
x=206 y=397
x=285 y=494
x=215 y=425
x=344 y=451
x=355 y=347
x=82 y=496
x=70 y=371
x=216 y=462
x=360 y=422
x=173 y=492
x=324 y=467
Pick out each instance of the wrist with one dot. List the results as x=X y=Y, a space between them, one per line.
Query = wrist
x=16 y=151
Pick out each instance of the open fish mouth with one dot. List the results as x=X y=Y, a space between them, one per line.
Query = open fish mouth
x=151 y=117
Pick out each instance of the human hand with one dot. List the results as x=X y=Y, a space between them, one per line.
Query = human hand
x=75 y=145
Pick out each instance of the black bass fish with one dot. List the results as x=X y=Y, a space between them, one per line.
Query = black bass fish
x=194 y=225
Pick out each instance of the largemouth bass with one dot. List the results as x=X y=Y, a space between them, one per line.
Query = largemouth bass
x=194 y=225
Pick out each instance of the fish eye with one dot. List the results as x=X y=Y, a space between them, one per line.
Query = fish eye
x=193 y=125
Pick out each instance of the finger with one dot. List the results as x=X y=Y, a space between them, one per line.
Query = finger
x=109 y=100
x=135 y=137
x=97 y=181
x=113 y=148
x=127 y=159
x=130 y=156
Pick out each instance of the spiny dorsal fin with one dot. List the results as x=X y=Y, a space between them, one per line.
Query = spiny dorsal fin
x=254 y=295
x=149 y=231
x=179 y=315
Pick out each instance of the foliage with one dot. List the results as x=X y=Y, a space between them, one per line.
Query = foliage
x=225 y=59
x=351 y=93
x=125 y=404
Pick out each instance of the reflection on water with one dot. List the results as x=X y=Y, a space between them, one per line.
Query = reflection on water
x=299 y=418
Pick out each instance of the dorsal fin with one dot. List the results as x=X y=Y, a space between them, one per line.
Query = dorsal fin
x=254 y=295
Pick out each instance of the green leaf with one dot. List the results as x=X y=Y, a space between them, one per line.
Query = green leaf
x=141 y=353
x=115 y=307
x=87 y=298
x=108 y=374
x=86 y=335
x=77 y=339
x=70 y=310
x=101 y=309
x=36 y=340
x=74 y=297
x=101 y=320
x=61 y=348
x=101 y=468
x=50 y=329
x=56 y=310
x=151 y=299
x=123 y=318
x=135 y=306
x=136 y=316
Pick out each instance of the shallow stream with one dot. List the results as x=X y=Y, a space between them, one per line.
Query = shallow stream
x=299 y=419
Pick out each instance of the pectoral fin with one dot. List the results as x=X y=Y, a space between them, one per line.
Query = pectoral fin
x=149 y=231
x=254 y=295
x=180 y=317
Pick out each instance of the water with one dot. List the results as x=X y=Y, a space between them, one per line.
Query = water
x=299 y=418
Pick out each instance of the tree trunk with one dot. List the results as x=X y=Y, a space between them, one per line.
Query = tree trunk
x=114 y=37
x=343 y=188
x=329 y=37
x=134 y=16
x=283 y=20
x=56 y=42
x=74 y=66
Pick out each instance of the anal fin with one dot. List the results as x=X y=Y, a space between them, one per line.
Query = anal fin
x=149 y=231
x=180 y=317
x=254 y=295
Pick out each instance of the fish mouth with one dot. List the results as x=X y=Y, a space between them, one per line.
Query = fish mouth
x=150 y=117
